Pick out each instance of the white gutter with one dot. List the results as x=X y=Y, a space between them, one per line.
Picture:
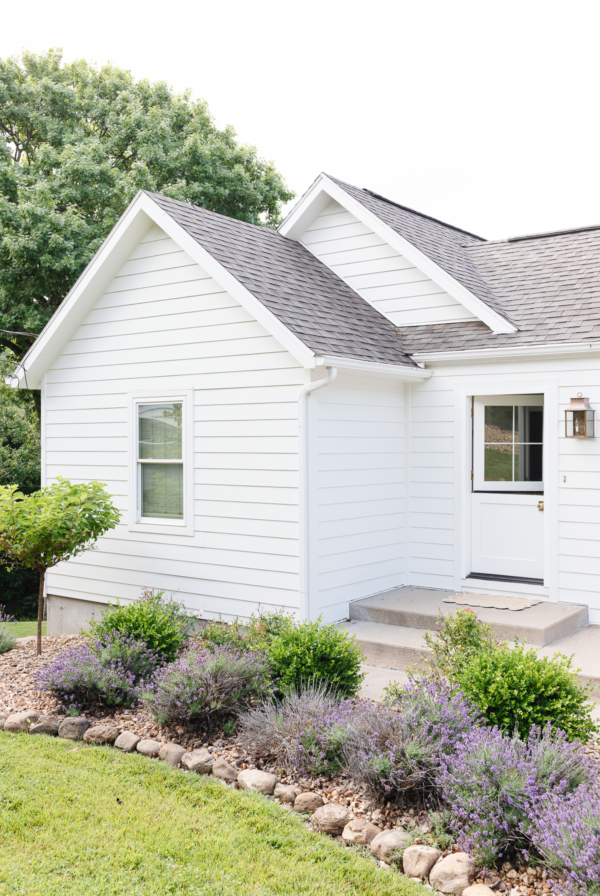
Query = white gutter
x=303 y=473
x=402 y=372
x=508 y=352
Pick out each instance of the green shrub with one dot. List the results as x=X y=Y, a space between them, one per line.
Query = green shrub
x=516 y=689
x=256 y=634
x=163 y=625
x=459 y=637
x=310 y=653
x=8 y=635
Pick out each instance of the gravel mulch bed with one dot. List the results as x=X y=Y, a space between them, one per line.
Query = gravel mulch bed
x=18 y=691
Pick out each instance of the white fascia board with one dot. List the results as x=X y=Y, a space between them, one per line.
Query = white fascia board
x=524 y=352
x=324 y=189
x=114 y=252
x=397 y=371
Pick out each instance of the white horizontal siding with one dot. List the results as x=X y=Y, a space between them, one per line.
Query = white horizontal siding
x=357 y=492
x=377 y=272
x=164 y=324
x=433 y=493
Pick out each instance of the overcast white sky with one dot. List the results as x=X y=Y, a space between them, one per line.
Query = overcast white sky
x=484 y=114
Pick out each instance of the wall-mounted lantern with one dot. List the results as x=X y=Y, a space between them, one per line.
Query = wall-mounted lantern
x=579 y=419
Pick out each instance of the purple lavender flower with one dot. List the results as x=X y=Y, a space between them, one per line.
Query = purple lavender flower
x=112 y=672
x=8 y=631
x=205 y=687
x=494 y=786
x=567 y=835
x=396 y=750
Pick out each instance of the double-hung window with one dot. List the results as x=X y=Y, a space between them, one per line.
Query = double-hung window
x=160 y=460
x=163 y=478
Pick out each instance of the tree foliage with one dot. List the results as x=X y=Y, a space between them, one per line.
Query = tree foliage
x=79 y=142
x=57 y=523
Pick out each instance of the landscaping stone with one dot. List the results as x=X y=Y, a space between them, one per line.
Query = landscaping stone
x=387 y=843
x=359 y=830
x=259 y=782
x=221 y=769
x=453 y=874
x=171 y=754
x=21 y=721
x=478 y=890
x=332 y=818
x=148 y=747
x=101 y=734
x=3 y=719
x=127 y=741
x=417 y=861
x=199 y=761
x=73 y=728
x=46 y=725
x=308 y=802
x=286 y=793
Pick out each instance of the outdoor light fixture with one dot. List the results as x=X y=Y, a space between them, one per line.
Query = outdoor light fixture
x=579 y=419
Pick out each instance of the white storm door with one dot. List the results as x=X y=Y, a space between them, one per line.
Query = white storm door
x=508 y=488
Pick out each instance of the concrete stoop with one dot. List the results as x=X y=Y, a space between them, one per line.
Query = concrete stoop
x=389 y=628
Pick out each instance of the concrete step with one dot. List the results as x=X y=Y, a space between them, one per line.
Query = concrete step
x=397 y=648
x=419 y=608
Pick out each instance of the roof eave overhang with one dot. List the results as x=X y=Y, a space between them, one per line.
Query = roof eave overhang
x=399 y=372
x=324 y=189
x=506 y=353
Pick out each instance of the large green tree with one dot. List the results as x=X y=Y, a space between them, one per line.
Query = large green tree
x=79 y=142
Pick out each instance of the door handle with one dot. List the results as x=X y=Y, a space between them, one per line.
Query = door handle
x=540 y=505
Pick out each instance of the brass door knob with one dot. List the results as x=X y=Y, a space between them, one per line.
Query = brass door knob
x=540 y=505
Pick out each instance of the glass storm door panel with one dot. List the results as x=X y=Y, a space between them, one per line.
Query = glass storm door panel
x=508 y=523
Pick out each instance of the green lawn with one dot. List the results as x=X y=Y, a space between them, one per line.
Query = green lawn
x=80 y=819
x=29 y=628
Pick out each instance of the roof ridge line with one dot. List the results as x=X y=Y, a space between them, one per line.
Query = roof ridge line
x=411 y=210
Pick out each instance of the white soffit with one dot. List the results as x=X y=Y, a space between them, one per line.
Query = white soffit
x=323 y=190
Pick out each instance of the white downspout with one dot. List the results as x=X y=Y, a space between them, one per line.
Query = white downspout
x=303 y=494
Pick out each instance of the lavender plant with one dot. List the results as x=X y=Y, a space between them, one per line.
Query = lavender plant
x=208 y=687
x=8 y=634
x=567 y=836
x=305 y=730
x=107 y=673
x=494 y=785
x=396 y=750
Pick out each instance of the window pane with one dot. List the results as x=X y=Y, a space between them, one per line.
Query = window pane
x=529 y=424
x=498 y=463
x=160 y=431
x=162 y=491
x=498 y=423
x=528 y=463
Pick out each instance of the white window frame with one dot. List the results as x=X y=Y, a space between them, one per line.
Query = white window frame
x=479 y=402
x=136 y=522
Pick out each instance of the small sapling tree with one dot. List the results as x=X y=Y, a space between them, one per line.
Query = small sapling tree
x=38 y=531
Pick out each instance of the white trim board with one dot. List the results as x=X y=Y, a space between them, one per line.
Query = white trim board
x=323 y=190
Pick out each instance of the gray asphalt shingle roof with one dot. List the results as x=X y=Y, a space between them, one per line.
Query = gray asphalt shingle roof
x=548 y=286
x=318 y=307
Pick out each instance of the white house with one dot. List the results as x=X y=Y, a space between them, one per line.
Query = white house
x=365 y=399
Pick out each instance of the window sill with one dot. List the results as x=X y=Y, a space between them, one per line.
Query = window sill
x=162 y=528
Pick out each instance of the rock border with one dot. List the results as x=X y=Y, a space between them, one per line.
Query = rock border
x=332 y=819
x=451 y=873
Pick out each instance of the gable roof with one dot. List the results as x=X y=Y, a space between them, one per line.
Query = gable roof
x=430 y=245
x=443 y=243
x=309 y=299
